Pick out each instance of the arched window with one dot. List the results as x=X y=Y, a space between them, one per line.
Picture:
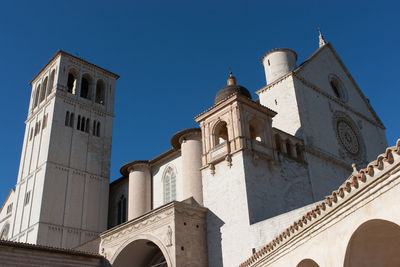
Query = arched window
x=337 y=87
x=85 y=86
x=288 y=148
x=87 y=125
x=278 y=143
x=71 y=83
x=51 y=83
x=37 y=93
x=67 y=119
x=78 y=124
x=121 y=210
x=98 y=129
x=4 y=232
x=83 y=120
x=256 y=130
x=220 y=133
x=169 y=185
x=99 y=92
x=43 y=90
x=44 y=121
x=71 y=120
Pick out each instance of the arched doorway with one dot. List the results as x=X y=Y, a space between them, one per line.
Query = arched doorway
x=374 y=243
x=141 y=253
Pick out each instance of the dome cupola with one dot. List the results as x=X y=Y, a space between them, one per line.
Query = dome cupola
x=231 y=88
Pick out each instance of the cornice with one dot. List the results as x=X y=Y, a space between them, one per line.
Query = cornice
x=175 y=140
x=60 y=53
x=269 y=86
x=154 y=215
x=278 y=50
x=232 y=98
x=128 y=167
x=324 y=155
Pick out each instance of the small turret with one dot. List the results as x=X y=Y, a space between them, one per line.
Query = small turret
x=278 y=62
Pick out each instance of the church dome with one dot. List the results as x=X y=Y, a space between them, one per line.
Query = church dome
x=230 y=89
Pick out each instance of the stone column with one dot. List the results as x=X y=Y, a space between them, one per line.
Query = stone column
x=139 y=189
x=191 y=149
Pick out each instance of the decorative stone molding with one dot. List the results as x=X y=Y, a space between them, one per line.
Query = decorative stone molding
x=165 y=226
x=349 y=137
x=354 y=193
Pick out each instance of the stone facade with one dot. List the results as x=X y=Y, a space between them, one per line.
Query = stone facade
x=61 y=195
x=222 y=190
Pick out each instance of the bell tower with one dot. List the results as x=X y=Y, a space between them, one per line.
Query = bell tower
x=61 y=195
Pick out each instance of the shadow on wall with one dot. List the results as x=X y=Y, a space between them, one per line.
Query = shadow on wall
x=275 y=189
x=214 y=224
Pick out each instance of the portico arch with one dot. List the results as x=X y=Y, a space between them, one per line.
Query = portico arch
x=374 y=243
x=143 y=251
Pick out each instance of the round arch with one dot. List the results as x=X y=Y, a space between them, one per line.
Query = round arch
x=307 y=263
x=220 y=132
x=374 y=243
x=141 y=248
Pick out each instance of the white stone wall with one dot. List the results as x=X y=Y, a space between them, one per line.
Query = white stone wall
x=224 y=194
x=117 y=189
x=65 y=170
x=157 y=173
x=281 y=98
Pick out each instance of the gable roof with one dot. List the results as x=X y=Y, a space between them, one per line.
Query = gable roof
x=330 y=47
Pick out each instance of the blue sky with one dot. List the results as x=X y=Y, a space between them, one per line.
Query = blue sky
x=173 y=57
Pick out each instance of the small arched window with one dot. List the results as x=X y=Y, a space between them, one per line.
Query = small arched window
x=78 y=124
x=98 y=129
x=43 y=90
x=4 y=232
x=71 y=120
x=37 y=93
x=169 y=185
x=278 y=143
x=337 y=87
x=67 y=119
x=99 y=92
x=87 y=125
x=71 y=83
x=122 y=211
x=51 y=83
x=256 y=130
x=85 y=86
x=44 y=121
x=83 y=120
x=220 y=133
